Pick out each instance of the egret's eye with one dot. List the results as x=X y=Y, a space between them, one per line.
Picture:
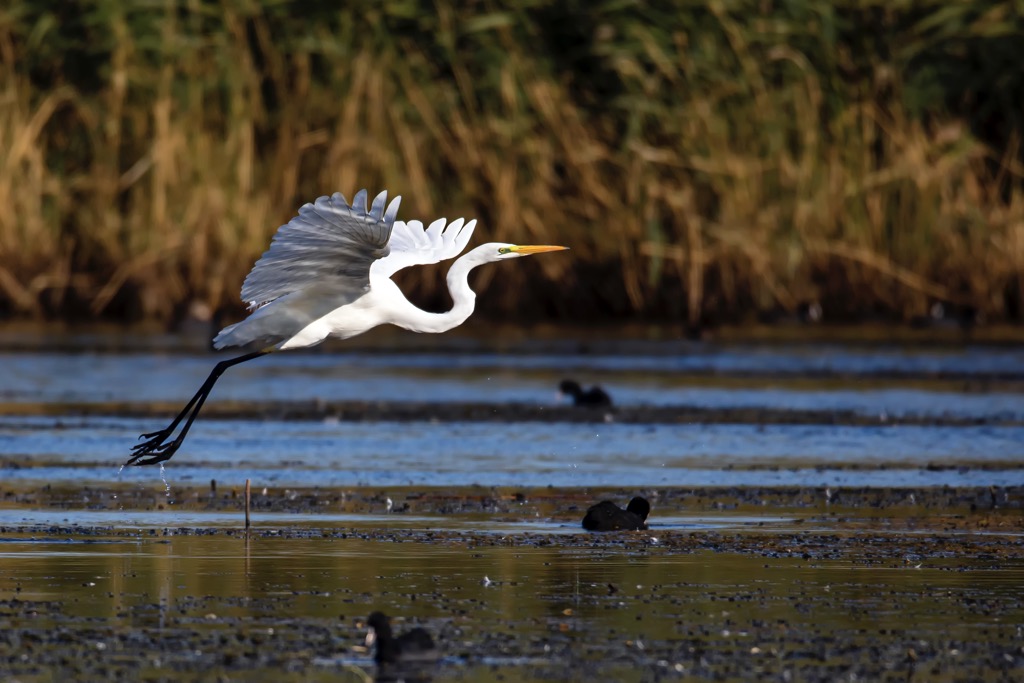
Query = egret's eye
x=504 y=250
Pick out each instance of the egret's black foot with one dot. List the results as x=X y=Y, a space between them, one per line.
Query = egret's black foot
x=156 y=459
x=158 y=446
x=153 y=450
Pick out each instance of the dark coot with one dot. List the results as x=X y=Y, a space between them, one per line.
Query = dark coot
x=806 y=313
x=594 y=397
x=414 y=647
x=810 y=312
x=944 y=315
x=607 y=516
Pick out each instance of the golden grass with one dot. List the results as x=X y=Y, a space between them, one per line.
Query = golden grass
x=703 y=163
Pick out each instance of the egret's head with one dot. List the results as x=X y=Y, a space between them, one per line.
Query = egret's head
x=498 y=251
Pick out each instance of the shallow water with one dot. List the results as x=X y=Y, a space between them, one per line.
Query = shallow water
x=47 y=442
x=522 y=611
x=727 y=378
x=103 y=570
x=333 y=453
x=193 y=519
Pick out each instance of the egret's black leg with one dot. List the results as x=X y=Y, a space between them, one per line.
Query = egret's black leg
x=156 y=448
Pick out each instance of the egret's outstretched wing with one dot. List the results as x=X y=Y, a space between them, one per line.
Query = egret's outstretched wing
x=411 y=245
x=330 y=245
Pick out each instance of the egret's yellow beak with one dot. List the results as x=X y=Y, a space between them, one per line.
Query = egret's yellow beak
x=536 y=249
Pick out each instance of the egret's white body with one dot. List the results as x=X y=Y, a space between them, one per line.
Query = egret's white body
x=328 y=274
x=382 y=303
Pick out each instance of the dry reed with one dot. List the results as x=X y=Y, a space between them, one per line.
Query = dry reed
x=705 y=160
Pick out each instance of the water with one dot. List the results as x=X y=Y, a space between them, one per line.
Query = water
x=293 y=609
x=183 y=518
x=331 y=453
x=145 y=574
x=46 y=441
x=732 y=377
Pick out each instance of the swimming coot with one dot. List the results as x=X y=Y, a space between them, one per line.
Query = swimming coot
x=415 y=646
x=607 y=516
x=594 y=397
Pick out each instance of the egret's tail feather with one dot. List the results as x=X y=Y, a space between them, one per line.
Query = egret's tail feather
x=280 y=320
x=225 y=337
x=248 y=331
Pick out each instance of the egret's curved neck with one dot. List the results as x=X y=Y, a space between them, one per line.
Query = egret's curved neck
x=463 y=298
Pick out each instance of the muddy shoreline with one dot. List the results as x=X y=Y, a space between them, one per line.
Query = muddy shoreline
x=558 y=503
x=681 y=626
x=821 y=521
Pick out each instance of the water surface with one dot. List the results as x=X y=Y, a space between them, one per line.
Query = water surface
x=727 y=378
x=525 y=612
x=333 y=453
x=49 y=442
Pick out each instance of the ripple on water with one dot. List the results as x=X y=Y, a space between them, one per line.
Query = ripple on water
x=731 y=378
x=525 y=454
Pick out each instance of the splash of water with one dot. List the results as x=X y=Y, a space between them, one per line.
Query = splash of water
x=163 y=478
x=120 y=506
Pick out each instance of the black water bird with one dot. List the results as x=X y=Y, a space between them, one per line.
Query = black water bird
x=944 y=315
x=412 y=648
x=806 y=313
x=594 y=397
x=809 y=312
x=607 y=516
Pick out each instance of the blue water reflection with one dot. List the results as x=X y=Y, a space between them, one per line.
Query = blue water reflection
x=494 y=378
x=523 y=454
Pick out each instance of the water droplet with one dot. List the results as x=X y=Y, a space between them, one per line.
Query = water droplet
x=163 y=478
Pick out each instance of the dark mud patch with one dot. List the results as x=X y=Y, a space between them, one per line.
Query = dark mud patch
x=413 y=411
x=557 y=504
x=196 y=640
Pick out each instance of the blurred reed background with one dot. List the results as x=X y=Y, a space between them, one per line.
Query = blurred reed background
x=707 y=161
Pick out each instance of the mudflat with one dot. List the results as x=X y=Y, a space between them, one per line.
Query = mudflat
x=802 y=583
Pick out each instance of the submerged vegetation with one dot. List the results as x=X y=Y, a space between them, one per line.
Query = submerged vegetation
x=705 y=160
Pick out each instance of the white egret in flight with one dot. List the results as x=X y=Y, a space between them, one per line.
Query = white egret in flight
x=328 y=274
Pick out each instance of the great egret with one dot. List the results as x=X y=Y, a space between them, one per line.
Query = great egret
x=594 y=397
x=607 y=516
x=412 y=647
x=328 y=274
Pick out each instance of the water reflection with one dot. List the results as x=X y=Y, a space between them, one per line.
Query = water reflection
x=527 y=599
x=308 y=597
x=186 y=517
x=528 y=454
x=496 y=378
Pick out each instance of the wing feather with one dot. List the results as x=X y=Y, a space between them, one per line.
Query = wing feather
x=331 y=244
x=412 y=245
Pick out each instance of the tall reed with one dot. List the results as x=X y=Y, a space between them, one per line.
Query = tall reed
x=705 y=160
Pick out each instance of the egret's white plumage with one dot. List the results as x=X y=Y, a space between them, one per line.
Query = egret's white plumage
x=328 y=273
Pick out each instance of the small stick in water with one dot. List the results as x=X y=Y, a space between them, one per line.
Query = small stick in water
x=247 y=505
